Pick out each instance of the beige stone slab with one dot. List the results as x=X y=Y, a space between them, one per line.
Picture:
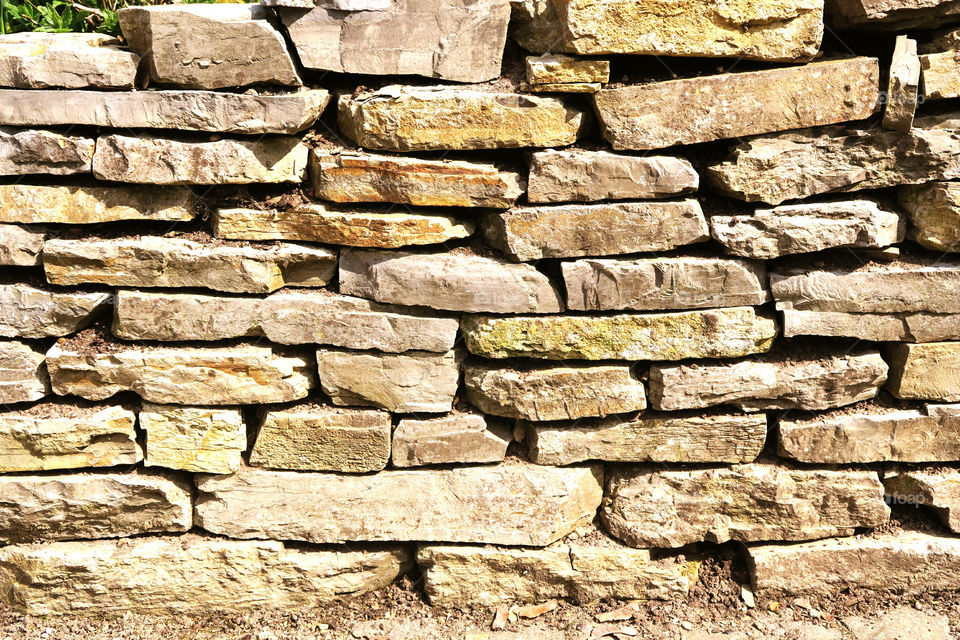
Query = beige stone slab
x=932 y=489
x=929 y=371
x=23 y=374
x=939 y=74
x=457 y=437
x=876 y=327
x=560 y=69
x=902 y=86
x=893 y=14
x=37 y=151
x=21 y=246
x=32 y=312
x=39 y=60
x=194 y=439
x=67 y=204
x=934 y=212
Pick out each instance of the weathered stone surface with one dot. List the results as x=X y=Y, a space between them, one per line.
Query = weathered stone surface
x=807 y=227
x=649 y=284
x=458 y=40
x=209 y=46
x=27 y=151
x=38 y=60
x=343 y=175
x=901 y=622
x=454 y=438
x=553 y=392
x=20 y=246
x=892 y=14
x=353 y=228
x=454 y=281
x=772 y=382
x=651 y=437
x=934 y=211
x=398 y=118
x=243 y=374
x=195 y=439
x=565 y=231
x=29 y=204
x=92 y=505
x=714 y=333
x=562 y=87
x=29 y=312
x=902 y=86
x=154 y=261
x=23 y=376
x=938 y=490
x=940 y=72
x=187 y=575
x=411 y=382
x=318 y=438
x=906 y=562
x=558 y=69
x=929 y=371
x=748 y=503
x=752 y=30
x=149 y=160
x=577 y=175
x=286 y=317
x=730 y=105
x=585 y=572
x=184 y=110
x=511 y=504
x=54 y=436
x=876 y=327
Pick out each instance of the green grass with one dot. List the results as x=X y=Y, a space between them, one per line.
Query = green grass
x=59 y=16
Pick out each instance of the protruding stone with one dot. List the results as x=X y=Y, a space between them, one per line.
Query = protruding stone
x=747 y=503
x=23 y=376
x=318 y=438
x=511 y=504
x=39 y=60
x=21 y=246
x=938 y=490
x=62 y=204
x=454 y=281
x=893 y=14
x=874 y=327
x=149 y=160
x=558 y=69
x=29 y=312
x=195 y=439
x=554 y=392
x=714 y=333
x=187 y=575
x=243 y=374
x=731 y=105
x=772 y=382
x=456 y=438
x=28 y=151
x=573 y=230
x=153 y=261
x=398 y=118
x=929 y=371
x=50 y=436
x=411 y=382
x=939 y=72
x=902 y=86
x=934 y=210
x=209 y=46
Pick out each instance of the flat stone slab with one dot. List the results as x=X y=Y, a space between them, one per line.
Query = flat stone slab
x=903 y=86
x=41 y=204
x=939 y=72
x=21 y=246
x=194 y=439
x=730 y=105
x=560 y=69
x=747 y=503
x=39 y=60
x=902 y=622
x=935 y=489
x=23 y=375
x=403 y=118
x=934 y=212
x=188 y=574
x=510 y=504
x=714 y=333
x=457 y=437
x=35 y=151
x=876 y=327
x=893 y=14
x=32 y=312
x=568 y=231
x=153 y=261
x=928 y=371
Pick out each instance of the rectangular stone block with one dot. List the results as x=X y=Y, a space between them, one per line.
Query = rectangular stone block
x=877 y=327
x=31 y=312
x=939 y=72
x=195 y=439
x=21 y=246
x=39 y=60
x=934 y=489
x=67 y=204
x=455 y=438
x=903 y=86
x=934 y=212
x=23 y=374
x=929 y=371
x=560 y=69
x=35 y=151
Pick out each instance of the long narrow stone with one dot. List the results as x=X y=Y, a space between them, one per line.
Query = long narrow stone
x=31 y=312
x=21 y=246
x=559 y=69
x=194 y=439
x=893 y=14
x=934 y=211
x=29 y=151
x=39 y=60
x=937 y=490
x=511 y=504
x=457 y=437
x=903 y=86
x=929 y=371
x=875 y=327
x=23 y=375
x=31 y=204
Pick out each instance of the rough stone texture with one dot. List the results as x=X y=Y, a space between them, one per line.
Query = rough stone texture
x=769 y=383
x=556 y=69
x=664 y=114
x=877 y=327
x=415 y=381
x=901 y=622
x=318 y=438
x=29 y=312
x=807 y=227
x=942 y=40
x=150 y=160
x=649 y=284
x=286 y=317
x=939 y=491
x=31 y=204
x=184 y=110
x=553 y=392
x=195 y=439
x=566 y=231
x=929 y=371
x=651 y=437
x=940 y=75
x=209 y=47
x=578 y=175
x=243 y=374
x=908 y=562
x=585 y=572
x=458 y=40
x=748 y=503
x=934 y=211
x=510 y=504
x=702 y=28
x=92 y=505
x=343 y=175
x=187 y=575
x=457 y=437
x=20 y=246
x=562 y=87
x=714 y=333
x=28 y=151
x=902 y=86
x=354 y=228
x=398 y=118
x=38 y=60
x=450 y=281
x=153 y=261
x=892 y=14
x=23 y=376
x=85 y=436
